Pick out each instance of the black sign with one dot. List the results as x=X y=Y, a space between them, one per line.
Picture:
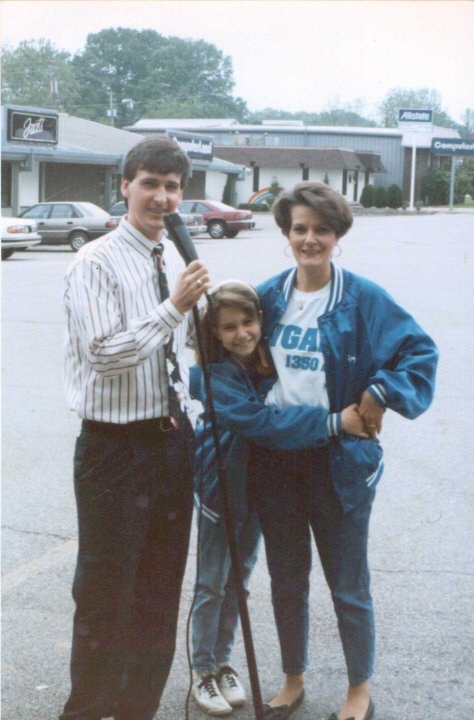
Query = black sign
x=452 y=146
x=32 y=128
x=195 y=146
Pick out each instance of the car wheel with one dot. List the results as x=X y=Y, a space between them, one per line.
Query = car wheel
x=6 y=254
x=216 y=229
x=78 y=239
x=231 y=233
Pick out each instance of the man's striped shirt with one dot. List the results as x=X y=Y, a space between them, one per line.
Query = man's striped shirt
x=117 y=328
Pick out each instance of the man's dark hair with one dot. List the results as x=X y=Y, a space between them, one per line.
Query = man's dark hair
x=158 y=154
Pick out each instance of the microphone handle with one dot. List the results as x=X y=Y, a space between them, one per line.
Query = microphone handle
x=179 y=234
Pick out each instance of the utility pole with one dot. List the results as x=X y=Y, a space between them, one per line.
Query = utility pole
x=111 y=112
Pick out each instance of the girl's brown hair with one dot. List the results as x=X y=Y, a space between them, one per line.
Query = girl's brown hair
x=233 y=294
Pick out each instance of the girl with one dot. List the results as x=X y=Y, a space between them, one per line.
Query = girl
x=240 y=379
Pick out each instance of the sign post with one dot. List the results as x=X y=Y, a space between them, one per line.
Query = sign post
x=416 y=121
x=453 y=147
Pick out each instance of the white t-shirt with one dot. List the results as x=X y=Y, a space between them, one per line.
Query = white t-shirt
x=296 y=351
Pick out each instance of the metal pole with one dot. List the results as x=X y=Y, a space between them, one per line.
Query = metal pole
x=111 y=100
x=412 y=180
x=451 y=185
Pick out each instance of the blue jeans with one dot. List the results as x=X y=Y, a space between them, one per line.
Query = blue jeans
x=294 y=495
x=216 y=613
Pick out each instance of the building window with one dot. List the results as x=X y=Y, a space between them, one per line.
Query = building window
x=6 y=184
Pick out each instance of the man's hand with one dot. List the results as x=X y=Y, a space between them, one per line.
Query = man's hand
x=352 y=422
x=371 y=413
x=191 y=284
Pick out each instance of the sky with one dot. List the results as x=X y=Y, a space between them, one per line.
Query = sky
x=295 y=55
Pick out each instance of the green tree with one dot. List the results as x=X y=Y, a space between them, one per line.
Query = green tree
x=436 y=188
x=31 y=73
x=149 y=75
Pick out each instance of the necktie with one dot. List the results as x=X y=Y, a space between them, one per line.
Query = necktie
x=177 y=395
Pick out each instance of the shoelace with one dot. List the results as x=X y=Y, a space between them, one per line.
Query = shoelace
x=208 y=684
x=229 y=675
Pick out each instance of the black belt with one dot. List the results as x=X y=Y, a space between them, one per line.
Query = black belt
x=140 y=427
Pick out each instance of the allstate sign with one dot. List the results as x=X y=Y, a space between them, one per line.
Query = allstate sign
x=452 y=146
x=413 y=118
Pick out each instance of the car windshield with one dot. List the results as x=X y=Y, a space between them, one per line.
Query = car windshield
x=90 y=209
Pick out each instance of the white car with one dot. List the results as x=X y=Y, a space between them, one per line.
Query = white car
x=18 y=234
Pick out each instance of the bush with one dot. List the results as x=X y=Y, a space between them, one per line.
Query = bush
x=394 y=197
x=243 y=206
x=436 y=188
x=259 y=207
x=367 y=196
x=380 y=197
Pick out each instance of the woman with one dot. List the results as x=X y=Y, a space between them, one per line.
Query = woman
x=335 y=339
x=240 y=377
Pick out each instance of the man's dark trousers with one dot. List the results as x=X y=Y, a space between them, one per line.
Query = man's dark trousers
x=134 y=497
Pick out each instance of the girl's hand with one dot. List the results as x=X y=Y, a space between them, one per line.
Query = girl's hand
x=371 y=413
x=352 y=422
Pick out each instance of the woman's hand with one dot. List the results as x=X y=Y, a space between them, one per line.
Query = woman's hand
x=352 y=422
x=371 y=413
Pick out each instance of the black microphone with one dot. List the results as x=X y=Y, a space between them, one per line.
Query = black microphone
x=179 y=234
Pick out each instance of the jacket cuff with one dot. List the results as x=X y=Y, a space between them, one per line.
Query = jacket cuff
x=377 y=391
x=334 y=424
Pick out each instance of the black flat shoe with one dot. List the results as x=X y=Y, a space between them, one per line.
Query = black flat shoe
x=368 y=715
x=281 y=712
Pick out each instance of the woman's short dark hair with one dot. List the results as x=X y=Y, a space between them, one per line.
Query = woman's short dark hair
x=233 y=294
x=158 y=154
x=320 y=197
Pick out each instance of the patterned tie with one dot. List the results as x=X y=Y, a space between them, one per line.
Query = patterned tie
x=177 y=395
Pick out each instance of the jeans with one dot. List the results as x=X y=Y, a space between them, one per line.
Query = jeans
x=215 y=613
x=133 y=487
x=294 y=495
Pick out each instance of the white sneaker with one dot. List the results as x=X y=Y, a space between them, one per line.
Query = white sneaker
x=208 y=696
x=230 y=686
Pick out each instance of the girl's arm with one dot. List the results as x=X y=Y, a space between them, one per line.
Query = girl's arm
x=240 y=410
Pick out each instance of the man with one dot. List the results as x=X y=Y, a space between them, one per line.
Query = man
x=133 y=458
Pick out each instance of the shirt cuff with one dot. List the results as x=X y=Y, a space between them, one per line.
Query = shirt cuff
x=377 y=391
x=169 y=315
x=334 y=424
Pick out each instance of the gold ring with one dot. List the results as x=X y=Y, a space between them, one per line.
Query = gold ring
x=371 y=426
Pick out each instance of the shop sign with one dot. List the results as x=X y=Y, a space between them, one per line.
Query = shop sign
x=29 y=127
x=195 y=146
x=452 y=146
x=414 y=119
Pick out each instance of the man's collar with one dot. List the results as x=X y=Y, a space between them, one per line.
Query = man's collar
x=137 y=239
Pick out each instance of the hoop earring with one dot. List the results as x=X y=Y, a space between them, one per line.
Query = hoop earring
x=338 y=247
x=287 y=247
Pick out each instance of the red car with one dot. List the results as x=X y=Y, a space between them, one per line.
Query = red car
x=222 y=220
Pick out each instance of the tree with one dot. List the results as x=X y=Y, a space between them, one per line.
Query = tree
x=33 y=71
x=423 y=98
x=147 y=75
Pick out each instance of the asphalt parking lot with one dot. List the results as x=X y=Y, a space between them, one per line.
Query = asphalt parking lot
x=422 y=530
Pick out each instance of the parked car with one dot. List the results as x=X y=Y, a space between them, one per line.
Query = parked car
x=17 y=234
x=221 y=219
x=69 y=222
x=193 y=221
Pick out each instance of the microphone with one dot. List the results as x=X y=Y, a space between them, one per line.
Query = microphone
x=179 y=234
